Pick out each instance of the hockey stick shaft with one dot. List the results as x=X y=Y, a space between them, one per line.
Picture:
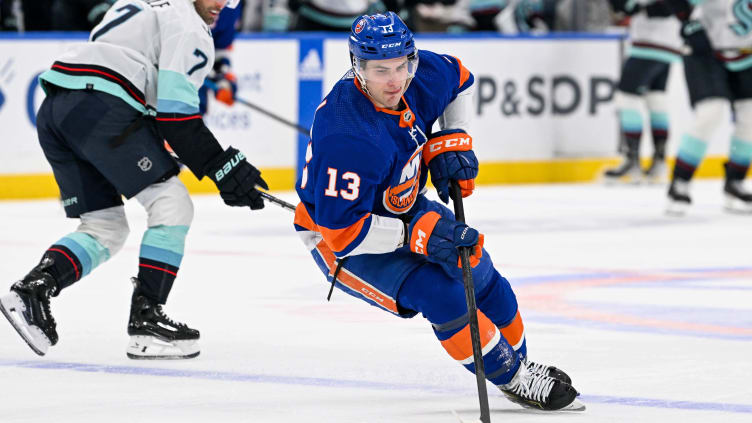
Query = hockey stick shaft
x=212 y=86
x=267 y=113
x=282 y=203
x=472 y=310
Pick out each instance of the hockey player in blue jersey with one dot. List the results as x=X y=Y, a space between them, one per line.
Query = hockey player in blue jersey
x=371 y=230
x=110 y=104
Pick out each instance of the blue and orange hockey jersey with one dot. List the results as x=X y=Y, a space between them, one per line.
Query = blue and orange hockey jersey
x=364 y=164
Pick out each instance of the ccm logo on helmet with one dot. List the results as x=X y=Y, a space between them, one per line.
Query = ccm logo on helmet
x=448 y=143
x=390 y=45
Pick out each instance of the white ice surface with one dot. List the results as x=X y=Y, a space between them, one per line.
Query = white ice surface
x=651 y=316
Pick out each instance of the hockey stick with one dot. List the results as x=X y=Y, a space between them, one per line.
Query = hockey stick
x=267 y=113
x=212 y=86
x=274 y=200
x=472 y=310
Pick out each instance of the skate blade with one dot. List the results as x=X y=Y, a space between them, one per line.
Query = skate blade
x=629 y=180
x=736 y=206
x=152 y=348
x=576 y=405
x=655 y=180
x=676 y=208
x=12 y=307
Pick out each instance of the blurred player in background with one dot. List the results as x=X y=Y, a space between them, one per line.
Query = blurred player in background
x=719 y=74
x=97 y=130
x=656 y=43
x=377 y=237
x=221 y=80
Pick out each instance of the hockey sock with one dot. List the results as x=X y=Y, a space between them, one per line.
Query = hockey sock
x=159 y=260
x=691 y=152
x=631 y=127
x=499 y=303
x=75 y=256
x=514 y=333
x=499 y=359
x=659 y=129
x=740 y=156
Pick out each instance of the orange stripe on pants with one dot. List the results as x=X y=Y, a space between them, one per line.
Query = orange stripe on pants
x=460 y=346
x=352 y=281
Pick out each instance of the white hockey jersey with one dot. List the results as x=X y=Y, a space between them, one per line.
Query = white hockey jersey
x=153 y=54
x=655 y=38
x=728 y=23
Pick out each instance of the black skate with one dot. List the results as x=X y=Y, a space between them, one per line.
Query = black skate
x=154 y=336
x=628 y=171
x=738 y=200
x=678 y=197
x=541 y=392
x=550 y=371
x=27 y=308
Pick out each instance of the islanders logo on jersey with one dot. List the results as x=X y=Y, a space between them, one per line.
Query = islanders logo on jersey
x=400 y=198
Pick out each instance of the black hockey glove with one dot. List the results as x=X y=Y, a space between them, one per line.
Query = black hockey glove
x=236 y=179
x=628 y=7
x=696 y=38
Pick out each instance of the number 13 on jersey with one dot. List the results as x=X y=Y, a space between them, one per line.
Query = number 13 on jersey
x=353 y=185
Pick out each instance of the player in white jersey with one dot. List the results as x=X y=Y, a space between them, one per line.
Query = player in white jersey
x=719 y=75
x=110 y=104
x=655 y=44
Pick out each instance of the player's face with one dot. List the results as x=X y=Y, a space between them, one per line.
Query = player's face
x=209 y=9
x=387 y=81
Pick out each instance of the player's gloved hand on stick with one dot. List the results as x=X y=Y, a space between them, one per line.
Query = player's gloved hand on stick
x=695 y=36
x=449 y=156
x=438 y=238
x=236 y=179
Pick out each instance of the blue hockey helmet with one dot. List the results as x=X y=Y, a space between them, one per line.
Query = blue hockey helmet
x=381 y=37
x=376 y=37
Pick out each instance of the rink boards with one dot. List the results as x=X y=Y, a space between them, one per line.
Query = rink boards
x=544 y=105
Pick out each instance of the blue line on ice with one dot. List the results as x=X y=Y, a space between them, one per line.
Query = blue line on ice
x=343 y=383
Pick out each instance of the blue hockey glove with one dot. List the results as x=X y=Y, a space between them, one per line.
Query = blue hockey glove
x=438 y=239
x=236 y=179
x=449 y=156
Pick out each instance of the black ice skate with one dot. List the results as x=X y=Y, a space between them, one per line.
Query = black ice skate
x=27 y=308
x=154 y=336
x=678 y=197
x=738 y=199
x=541 y=392
x=550 y=371
x=628 y=171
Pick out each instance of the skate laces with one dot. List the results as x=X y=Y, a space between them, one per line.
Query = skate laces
x=537 y=368
x=162 y=314
x=533 y=386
